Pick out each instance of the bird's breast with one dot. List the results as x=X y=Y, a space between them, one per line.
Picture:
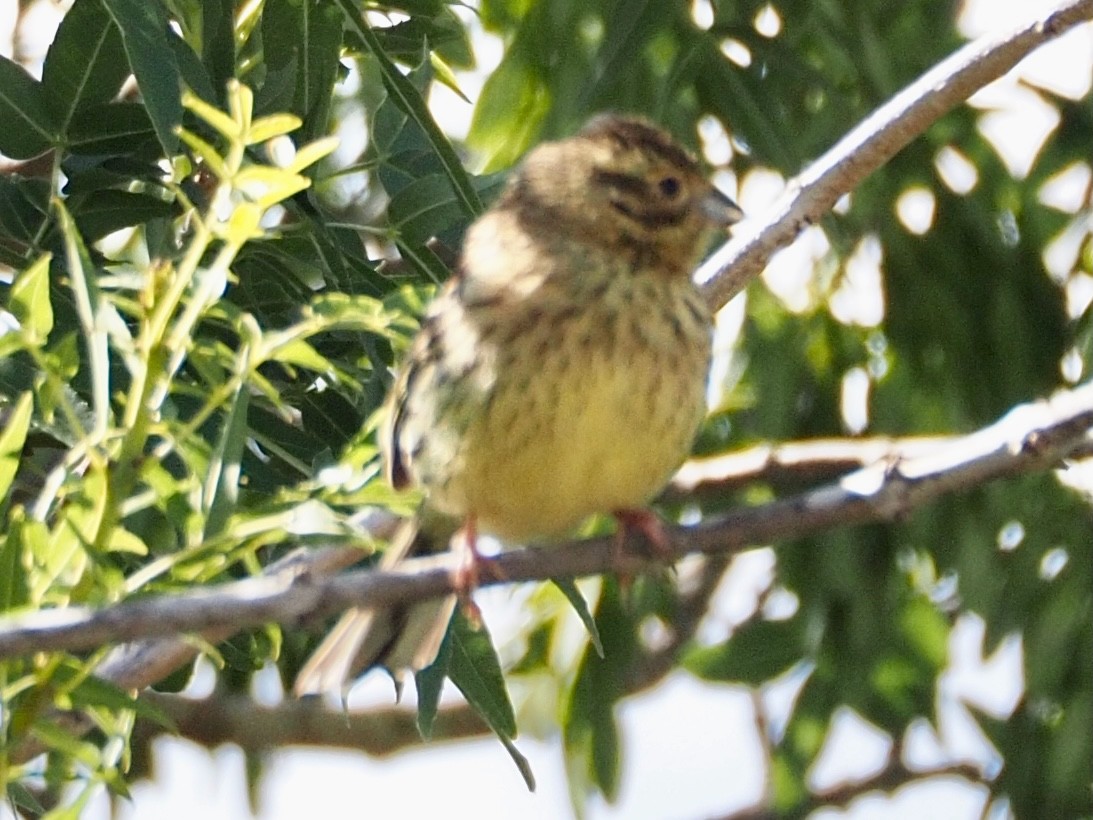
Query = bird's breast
x=594 y=399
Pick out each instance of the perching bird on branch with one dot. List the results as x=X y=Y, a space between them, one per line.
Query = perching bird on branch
x=559 y=374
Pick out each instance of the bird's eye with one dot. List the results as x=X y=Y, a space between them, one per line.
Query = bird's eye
x=669 y=186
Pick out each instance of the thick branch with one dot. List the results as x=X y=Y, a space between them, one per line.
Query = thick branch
x=1030 y=437
x=238 y=719
x=229 y=718
x=795 y=462
x=873 y=142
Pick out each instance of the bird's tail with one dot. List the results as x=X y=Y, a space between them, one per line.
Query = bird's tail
x=397 y=638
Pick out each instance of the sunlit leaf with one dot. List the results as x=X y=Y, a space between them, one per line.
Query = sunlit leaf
x=14 y=591
x=29 y=300
x=272 y=126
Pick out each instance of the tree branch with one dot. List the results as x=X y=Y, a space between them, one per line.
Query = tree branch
x=889 y=780
x=1030 y=437
x=874 y=141
x=218 y=719
x=223 y=718
x=891 y=777
x=794 y=462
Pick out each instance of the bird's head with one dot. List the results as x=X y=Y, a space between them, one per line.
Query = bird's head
x=625 y=184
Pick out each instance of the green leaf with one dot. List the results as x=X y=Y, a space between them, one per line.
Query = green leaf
x=522 y=764
x=205 y=150
x=589 y=730
x=512 y=107
x=29 y=300
x=17 y=422
x=411 y=101
x=1070 y=752
x=106 y=211
x=218 y=41
x=57 y=739
x=35 y=542
x=24 y=207
x=222 y=484
x=445 y=75
x=423 y=209
x=299 y=352
x=93 y=691
x=25 y=800
x=302 y=46
x=468 y=657
x=476 y=670
x=319 y=66
x=407 y=40
x=926 y=630
x=14 y=591
x=424 y=260
x=430 y=683
x=349 y=312
x=121 y=540
x=569 y=589
x=92 y=312
x=265 y=186
x=85 y=64
x=144 y=34
x=112 y=128
x=786 y=783
x=756 y=653
x=65 y=558
x=274 y=125
x=28 y=129
x=194 y=73
x=312 y=152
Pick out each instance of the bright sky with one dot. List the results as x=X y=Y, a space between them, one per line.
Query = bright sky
x=690 y=749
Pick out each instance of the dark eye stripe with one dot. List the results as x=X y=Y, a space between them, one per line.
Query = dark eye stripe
x=635 y=188
x=621 y=182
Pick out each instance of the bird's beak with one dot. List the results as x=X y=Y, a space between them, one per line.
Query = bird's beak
x=719 y=209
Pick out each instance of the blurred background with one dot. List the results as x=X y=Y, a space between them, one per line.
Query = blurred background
x=936 y=666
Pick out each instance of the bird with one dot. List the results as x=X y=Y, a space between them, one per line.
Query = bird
x=560 y=372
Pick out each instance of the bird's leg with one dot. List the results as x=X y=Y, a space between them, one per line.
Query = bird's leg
x=651 y=527
x=471 y=566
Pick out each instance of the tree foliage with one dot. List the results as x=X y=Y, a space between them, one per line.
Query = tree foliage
x=199 y=328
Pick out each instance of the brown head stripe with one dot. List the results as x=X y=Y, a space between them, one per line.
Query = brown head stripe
x=635 y=134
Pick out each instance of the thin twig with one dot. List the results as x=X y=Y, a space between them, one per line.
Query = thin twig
x=873 y=142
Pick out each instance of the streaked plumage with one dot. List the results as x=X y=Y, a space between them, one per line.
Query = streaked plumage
x=561 y=372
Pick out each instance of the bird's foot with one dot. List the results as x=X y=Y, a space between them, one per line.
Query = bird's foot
x=472 y=566
x=650 y=526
